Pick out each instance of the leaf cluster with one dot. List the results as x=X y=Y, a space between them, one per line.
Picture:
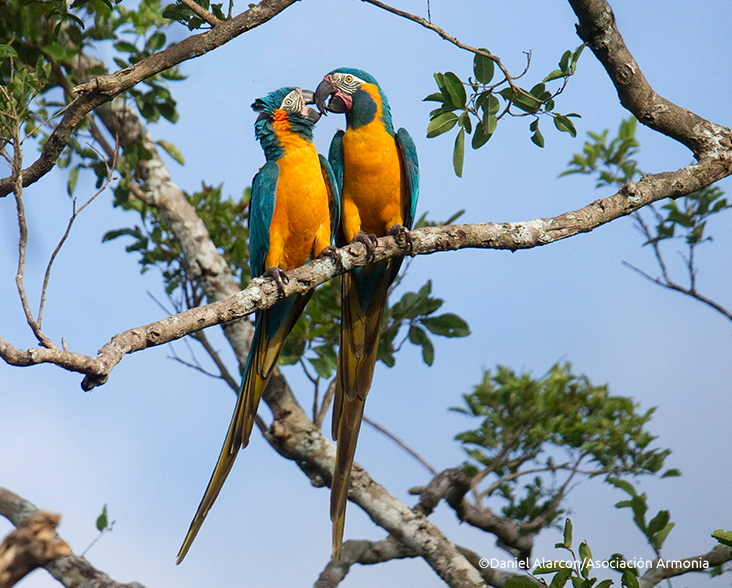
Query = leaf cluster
x=185 y=16
x=579 y=574
x=477 y=105
x=527 y=424
x=613 y=163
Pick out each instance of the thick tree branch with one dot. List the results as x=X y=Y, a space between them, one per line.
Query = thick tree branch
x=671 y=569
x=262 y=293
x=70 y=570
x=102 y=89
x=294 y=436
x=33 y=544
x=597 y=28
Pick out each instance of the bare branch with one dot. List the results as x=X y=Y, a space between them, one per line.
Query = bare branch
x=401 y=444
x=597 y=28
x=70 y=570
x=74 y=214
x=33 y=544
x=262 y=293
x=671 y=569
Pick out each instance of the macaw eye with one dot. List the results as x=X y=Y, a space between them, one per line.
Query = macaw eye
x=349 y=79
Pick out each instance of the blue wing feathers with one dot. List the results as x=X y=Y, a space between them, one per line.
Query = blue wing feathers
x=408 y=152
x=264 y=197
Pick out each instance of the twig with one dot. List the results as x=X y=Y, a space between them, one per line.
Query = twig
x=74 y=214
x=201 y=12
x=401 y=444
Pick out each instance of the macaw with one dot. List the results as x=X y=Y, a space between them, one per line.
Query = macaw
x=377 y=173
x=293 y=216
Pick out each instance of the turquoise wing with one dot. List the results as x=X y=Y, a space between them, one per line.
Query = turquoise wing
x=335 y=158
x=408 y=153
x=334 y=195
x=262 y=206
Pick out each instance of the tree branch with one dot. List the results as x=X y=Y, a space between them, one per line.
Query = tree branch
x=262 y=293
x=103 y=88
x=671 y=569
x=598 y=29
x=70 y=570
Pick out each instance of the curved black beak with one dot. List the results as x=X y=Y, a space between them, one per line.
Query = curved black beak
x=324 y=91
x=310 y=113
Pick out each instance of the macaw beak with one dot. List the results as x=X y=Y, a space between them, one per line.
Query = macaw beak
x=308 y=97
x=336 y=104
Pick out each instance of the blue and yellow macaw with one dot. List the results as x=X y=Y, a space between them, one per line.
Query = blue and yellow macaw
x=378 y=176
x=293 y=216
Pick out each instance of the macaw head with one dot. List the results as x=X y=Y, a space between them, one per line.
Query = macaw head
x=352 y=92
x=285 y=104
x=293 y=101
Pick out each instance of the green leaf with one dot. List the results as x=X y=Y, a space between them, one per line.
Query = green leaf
x=483 y=67
x=441 y=124
x=73 y=177
x=419 y=337
x=436 y=97
x=490 y=122
x=555 y=75
x=537 y=138
x=456 y=89
x=629 y=580
x=564 y=124
x=126 y=47
x=658 y=522
x=6 y=50
x=102 y=521
x=560 y=578
x=155 y=42
x=488 y=102
x=660 y=537
x=623 y=485
x=480 y=137
x=447 y=325
x=724 y=537
x=585 y=559
x=604 y=584
x=172 y=150
x=568 y=534
x=458 y=154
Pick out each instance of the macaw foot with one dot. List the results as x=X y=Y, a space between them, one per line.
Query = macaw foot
x=279 y=277
x=402 y=236
x=332 y=252
x=370 y=241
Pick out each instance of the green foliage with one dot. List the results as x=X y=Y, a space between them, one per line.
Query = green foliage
x=487 y=98
x=724 y=537
x=525 y=423
x=184 y=15
x=103 y=521
x=578 y=569
x=613 y=163
x=40 y=45
x=657 y=529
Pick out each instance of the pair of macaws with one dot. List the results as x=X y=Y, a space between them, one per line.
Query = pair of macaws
x=301 y=204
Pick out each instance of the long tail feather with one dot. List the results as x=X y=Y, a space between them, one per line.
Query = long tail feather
x=363 y=300
x=271 y=330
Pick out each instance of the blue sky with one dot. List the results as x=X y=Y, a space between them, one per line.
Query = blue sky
x=146 y=442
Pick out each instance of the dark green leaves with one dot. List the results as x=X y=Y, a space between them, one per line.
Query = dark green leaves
x=483 y=68
x=475 y=106
x=441 y=124
x=724 y=537
x=102 y=520
x=417 y=312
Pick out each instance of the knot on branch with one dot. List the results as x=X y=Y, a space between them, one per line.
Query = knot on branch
x=33 y=544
